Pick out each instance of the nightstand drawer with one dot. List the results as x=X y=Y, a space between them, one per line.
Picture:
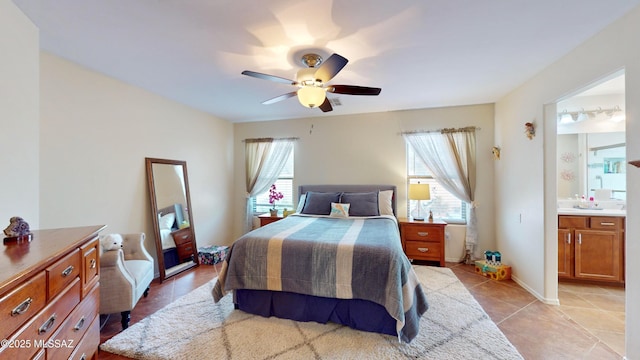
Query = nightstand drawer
x=423 y=250
x=422 y=233
x=182 y=236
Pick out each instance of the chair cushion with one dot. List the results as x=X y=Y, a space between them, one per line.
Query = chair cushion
x=140 y=270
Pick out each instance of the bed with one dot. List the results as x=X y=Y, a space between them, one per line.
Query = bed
x=321 y=265
x=168 y=220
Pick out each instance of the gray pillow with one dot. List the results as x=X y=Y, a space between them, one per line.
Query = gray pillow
x=319 y=203
x=362 y=204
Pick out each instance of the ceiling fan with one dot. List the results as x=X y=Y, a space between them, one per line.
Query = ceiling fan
x=311 y=82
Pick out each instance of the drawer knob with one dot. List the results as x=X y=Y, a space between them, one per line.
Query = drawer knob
x=607 y=224
x=47 y=325
x=92 y=264
x=79 y=325
x=424 y=250
x=423 y=233
x=66 y=272
x=22 y=308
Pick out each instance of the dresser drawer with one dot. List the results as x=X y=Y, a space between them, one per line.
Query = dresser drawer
x=90 y=265
x=422 y=233
x=22 y=303
x=606 y=222
x=74 y=327
x=37 y=331
x=87 y=348
x=423 y=250
x=63 y=272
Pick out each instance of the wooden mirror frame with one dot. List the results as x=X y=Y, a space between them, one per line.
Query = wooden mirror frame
x=156 y=226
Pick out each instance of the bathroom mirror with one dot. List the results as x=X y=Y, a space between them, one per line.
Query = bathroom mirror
x=171 y=216
x=591 y=142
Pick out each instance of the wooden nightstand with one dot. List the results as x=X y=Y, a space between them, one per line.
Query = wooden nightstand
x=184 y=244
x=268 y=219
x=423 y=240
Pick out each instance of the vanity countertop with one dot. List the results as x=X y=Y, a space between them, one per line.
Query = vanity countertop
x=592 y=212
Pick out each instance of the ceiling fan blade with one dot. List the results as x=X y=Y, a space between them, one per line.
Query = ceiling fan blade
x=329 y=68
x=353 y=90
x=268 y=77
x=326 y=105
x=280 y=98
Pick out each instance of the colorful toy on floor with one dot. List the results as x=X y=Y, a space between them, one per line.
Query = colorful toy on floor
x=495 y=272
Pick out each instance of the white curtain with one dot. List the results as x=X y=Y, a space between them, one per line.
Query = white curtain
x=264 y=161
x=450 y=155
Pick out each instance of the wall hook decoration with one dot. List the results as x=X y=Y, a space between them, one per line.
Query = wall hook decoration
x=530 y=130
x=496 y=152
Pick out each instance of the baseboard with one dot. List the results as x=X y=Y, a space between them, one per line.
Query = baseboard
x=534 y=293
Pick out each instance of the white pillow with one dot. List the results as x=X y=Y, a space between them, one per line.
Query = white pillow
x=385 y=198
x=166 y=221
x=339 y=210
x=303 y=197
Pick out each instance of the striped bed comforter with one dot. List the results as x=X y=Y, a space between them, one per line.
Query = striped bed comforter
x=345 y=258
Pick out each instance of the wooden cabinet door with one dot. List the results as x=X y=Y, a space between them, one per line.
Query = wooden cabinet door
x=597 y=255
x=565 y=253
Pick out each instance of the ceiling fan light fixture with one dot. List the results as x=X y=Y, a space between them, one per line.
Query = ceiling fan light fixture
x=311 y=96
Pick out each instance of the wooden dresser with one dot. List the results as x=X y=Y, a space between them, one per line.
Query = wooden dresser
x=423 y=240
x=49 y=295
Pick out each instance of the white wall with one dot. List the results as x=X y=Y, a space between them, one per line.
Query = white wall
x=368 y=149
x=526 y=175
x=95 y=133
x=19 y=46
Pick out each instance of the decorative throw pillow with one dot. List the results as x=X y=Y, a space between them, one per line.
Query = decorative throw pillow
x=319 y=203
x=362 y=204
x=339 y=210
x=385 y=202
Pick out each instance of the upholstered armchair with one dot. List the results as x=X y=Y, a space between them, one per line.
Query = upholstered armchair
x=125 y=276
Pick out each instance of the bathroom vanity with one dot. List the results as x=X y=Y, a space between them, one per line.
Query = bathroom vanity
x=591 y=245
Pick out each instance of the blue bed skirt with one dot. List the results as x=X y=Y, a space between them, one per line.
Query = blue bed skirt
x=354 y=313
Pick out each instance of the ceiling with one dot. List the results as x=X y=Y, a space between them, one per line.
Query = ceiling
x=421 y=53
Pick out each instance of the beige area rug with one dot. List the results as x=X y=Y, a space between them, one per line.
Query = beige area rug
x=193 y=327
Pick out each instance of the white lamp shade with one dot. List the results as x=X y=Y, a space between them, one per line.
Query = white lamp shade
x=311 y=96
x=419 y=192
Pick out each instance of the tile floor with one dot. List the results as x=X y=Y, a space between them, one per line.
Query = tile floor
x=589 y=323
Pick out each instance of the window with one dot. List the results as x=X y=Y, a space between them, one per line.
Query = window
x=443 y=204
x=284 y=184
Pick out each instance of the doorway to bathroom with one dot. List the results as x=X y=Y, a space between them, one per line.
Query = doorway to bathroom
x=591 y=184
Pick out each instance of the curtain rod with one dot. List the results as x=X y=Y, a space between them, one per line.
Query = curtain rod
x=269 y=139
x=442 y=131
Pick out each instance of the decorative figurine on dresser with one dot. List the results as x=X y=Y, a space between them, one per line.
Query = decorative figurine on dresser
x=49 y=293
x=18 y=230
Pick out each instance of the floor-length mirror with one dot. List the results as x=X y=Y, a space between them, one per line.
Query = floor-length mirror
x=171 y=216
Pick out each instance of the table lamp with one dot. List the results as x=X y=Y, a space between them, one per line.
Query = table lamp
x=419 y=192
